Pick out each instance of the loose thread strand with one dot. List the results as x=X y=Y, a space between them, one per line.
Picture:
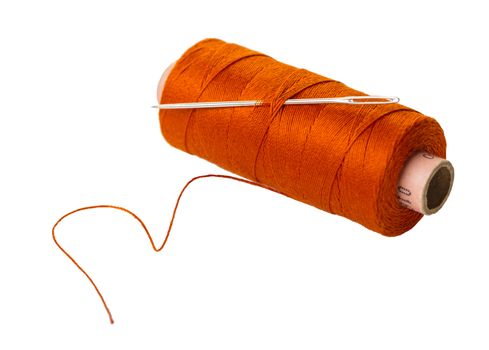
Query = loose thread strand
x=73 y=260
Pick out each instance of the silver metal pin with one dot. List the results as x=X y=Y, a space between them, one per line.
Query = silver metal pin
x=351 y=100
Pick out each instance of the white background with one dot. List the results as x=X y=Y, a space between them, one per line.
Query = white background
x=244 y=268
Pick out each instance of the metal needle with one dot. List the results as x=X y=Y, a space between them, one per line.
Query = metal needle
x=351 y=100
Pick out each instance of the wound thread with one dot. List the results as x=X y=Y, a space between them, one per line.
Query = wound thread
x=343 y=159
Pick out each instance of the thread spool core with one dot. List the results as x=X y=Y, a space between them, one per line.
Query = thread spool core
x=162 y=82
x=425 y=183
x=438 y=187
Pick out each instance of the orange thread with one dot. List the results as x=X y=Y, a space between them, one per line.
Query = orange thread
x=340 y=158
x=343 y=159
x=140 y=222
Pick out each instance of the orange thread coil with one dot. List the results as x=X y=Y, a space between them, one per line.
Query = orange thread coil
x=343 y=159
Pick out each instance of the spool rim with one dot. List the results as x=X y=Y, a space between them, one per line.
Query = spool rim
x=438 y=187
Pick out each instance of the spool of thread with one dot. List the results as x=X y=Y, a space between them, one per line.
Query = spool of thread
x=382 y=166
